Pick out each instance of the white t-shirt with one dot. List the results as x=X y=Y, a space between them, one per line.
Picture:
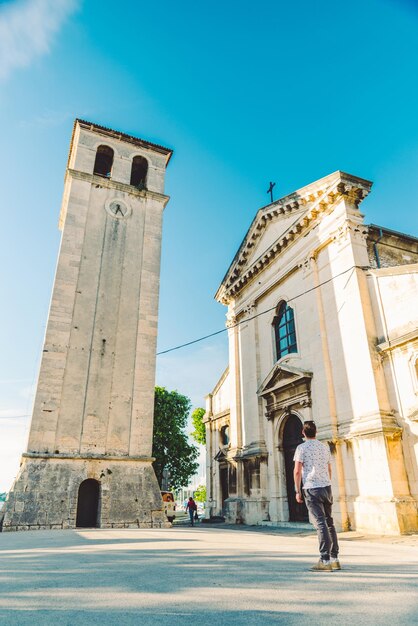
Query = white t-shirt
x=315 y=458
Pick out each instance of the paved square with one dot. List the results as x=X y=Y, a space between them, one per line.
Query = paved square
x=202 y=575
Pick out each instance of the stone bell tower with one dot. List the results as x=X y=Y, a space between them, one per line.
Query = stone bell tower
x=88 y=461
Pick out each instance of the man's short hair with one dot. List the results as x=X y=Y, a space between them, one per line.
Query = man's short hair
x=309 y=429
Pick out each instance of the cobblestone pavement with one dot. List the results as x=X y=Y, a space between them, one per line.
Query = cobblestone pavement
x=207 y=575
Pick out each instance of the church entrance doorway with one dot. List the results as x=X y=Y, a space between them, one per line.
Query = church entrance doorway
x=292 y=437
x=88 y=504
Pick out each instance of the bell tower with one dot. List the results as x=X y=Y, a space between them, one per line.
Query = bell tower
x=88 y=461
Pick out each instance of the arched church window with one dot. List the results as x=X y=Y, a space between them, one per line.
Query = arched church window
x=139 y=172
x=104 y=161
x=225 y=435
x=284 y=331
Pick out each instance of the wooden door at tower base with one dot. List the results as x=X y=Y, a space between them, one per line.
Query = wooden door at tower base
x=292 y=437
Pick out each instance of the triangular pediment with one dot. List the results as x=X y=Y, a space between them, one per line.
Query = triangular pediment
x=220 y=455
x=281 y=376
x=278 y=224
x=274 y=230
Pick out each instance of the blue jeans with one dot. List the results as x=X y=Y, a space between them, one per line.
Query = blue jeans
x=319 y=504
x=191 y=514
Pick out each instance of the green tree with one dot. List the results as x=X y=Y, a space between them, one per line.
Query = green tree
x=170 y=447
x=200 y=493
x=199 y=433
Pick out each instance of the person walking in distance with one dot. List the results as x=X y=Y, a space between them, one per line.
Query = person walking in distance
x=313 y=471
x=191 y=507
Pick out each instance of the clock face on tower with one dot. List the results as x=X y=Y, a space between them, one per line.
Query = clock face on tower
x=117 y=208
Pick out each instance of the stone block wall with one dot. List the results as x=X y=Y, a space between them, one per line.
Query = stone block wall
x=45 y=495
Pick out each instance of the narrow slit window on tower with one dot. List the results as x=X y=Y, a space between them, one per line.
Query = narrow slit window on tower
x=139 y=172
x=104 y=161
x=284 y=331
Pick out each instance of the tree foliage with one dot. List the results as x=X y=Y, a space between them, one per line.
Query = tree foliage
x=200 y=493
x=199 y=433
x=171 y=448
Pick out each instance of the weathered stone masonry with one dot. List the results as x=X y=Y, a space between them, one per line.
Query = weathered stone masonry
x=93 y=412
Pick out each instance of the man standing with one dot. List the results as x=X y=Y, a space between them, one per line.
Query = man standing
x=313 y=470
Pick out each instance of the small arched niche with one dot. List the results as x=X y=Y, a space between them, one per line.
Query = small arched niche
x=104 y=161
x=224 y=435
x=139 y=172
x=88 y=504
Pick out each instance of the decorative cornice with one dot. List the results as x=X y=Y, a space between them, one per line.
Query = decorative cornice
x=302 y=400
x=371 y=424
x=109 y=183
x=217 y=416
x=349 y=229
x=391 y=344
x=125 y=137
x=315 y=198
x=291 y=376
x=86 y=457
x=256 y=449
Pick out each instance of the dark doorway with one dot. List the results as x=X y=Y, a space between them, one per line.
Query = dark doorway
x=224 y=484
x=88 y=504
x=292 y=437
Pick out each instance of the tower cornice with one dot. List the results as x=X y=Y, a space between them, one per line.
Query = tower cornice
x=108 y=183
x=115 y=134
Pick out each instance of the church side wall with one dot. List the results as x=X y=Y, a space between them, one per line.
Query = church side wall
x=394 y=296
x=216 y=417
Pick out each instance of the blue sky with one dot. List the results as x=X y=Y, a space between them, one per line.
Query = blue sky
x=244 y=93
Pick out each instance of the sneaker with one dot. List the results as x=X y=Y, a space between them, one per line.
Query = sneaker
x=322 y=566
x=335 y=564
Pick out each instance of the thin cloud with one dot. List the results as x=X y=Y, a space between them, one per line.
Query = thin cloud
x=27 y=29
x=50 y=118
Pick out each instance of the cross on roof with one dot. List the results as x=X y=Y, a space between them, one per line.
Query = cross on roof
x=270 y=190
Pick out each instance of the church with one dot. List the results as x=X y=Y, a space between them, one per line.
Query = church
x=322 y=325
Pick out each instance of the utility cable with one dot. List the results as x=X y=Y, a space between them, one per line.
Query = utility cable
x=248 y=319
x=12 y=417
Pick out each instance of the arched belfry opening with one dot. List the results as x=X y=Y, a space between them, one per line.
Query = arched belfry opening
x=88 y=504
x=139 y=172
x=292 y=437
x=104 y=161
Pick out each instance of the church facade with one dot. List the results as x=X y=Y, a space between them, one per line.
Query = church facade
x=322 y=324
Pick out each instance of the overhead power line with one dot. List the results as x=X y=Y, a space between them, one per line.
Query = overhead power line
x=10 y=417
x=248 y=319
